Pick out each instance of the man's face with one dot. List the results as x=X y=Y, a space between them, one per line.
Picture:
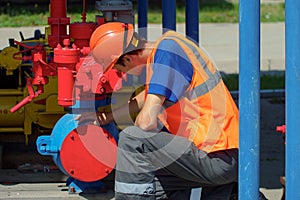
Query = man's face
x=130 y=64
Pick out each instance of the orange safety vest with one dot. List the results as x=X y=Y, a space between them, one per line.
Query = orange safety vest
x=206 y=114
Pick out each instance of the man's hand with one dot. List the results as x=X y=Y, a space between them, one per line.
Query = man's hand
x=147 y=118
x=94 y=118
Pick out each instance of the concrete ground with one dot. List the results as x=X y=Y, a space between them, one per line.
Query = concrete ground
x=222 y=43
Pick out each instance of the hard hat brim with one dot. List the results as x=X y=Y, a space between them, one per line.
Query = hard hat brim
x=111 y=65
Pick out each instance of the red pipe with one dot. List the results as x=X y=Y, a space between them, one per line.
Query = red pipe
x=58 y=22
x=58 y=8
x=30 y=97
x=83 y=14
x=66 y=58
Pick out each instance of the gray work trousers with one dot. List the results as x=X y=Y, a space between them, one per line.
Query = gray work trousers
x=153 y=165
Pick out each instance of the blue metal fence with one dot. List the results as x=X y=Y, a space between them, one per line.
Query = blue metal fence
x=143 y=17
x=192 y=19
x=292 y=50
x=169 y=17
x=249 y=99
x=249 y=87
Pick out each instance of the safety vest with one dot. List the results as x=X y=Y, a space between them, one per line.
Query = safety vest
x=206 y=114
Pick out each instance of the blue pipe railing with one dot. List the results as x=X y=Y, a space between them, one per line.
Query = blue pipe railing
x=292 y=50
x=249 y=99
x=143 y=18
x=192 y=19
x=249 y=83
x=169 y=15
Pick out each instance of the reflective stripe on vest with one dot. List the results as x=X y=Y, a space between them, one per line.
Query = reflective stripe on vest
x=137 y=189
x=214 y=79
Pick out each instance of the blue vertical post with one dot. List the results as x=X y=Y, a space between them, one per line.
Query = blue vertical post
x=292 y=35
x=168 y=15
x=249 y=99
x=192 y=19
x=143 y=17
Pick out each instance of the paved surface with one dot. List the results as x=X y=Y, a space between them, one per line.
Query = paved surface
x=221 y=41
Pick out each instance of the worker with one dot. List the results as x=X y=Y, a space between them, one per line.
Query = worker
x=186 y=132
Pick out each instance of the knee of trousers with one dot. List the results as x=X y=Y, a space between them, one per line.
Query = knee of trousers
x=129 y=136
x=134 y=133
x=134 y=139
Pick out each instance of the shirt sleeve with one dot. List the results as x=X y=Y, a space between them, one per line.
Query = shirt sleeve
x=172 y=71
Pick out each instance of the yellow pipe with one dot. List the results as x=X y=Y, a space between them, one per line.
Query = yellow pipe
x=11 y=129
x=11 y=92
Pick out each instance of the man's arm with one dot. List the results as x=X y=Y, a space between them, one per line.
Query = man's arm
x=123 y=113
x=147 y=118
x=134 y=105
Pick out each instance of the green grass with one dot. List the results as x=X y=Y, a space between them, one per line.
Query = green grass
x=216 y=12
x=266 y=81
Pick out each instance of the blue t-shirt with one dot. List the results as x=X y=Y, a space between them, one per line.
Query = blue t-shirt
x=172 y=71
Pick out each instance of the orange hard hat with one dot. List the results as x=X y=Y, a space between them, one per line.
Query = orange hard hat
x=109 y=41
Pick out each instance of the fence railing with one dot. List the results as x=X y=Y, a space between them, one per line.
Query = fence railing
x=249 y=84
